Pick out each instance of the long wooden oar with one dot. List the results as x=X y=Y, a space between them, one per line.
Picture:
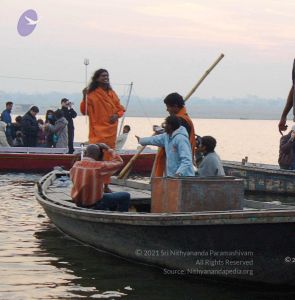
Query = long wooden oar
x=126 y=170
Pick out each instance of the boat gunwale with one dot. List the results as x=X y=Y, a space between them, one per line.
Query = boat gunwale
x=260 y=168
x=260 y=216
x=43 y=155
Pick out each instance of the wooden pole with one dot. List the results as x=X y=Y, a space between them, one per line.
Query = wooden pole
x=127 y=104
x=86 y=63
x=126 y=170
x=203 y=77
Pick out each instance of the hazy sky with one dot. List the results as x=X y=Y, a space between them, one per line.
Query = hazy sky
x=162 y=46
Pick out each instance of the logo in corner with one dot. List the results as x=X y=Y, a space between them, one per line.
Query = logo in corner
x=27 y=22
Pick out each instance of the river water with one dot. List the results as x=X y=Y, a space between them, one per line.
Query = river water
x=257 y=139
x=39 y=262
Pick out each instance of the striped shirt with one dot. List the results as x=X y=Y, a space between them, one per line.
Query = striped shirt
x=88 y=176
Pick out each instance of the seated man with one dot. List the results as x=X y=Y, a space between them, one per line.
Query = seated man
x=88 y=176
x=177 y=147
x=211 y=164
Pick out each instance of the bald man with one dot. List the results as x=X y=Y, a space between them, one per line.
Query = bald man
x=88 y=177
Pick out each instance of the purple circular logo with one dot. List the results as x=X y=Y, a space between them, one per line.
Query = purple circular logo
x=27 y=22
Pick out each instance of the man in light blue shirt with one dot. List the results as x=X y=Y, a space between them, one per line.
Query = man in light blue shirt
x=177 y=147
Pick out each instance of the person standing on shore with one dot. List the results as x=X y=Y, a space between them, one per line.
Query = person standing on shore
x=69 y=114
x=6 y=118
x=104 y=109
x=289 y=104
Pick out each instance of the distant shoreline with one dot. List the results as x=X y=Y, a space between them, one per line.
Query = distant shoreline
x=42 y=113
x=245 y=108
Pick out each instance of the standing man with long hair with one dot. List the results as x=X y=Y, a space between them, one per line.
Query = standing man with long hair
x=104 y=110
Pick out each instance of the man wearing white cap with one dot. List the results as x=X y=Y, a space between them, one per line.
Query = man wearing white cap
x=287 y=150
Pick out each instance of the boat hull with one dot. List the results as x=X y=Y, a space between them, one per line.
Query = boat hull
x=260 y=244
x=246 y=245
x=35 y=162
x=45 y=162
x=259 y=178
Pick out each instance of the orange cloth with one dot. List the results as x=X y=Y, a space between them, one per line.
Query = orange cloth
x=101 y=105
x=160 y=160
x=88 y=176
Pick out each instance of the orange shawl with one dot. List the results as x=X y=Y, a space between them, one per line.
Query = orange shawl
x=160 y=160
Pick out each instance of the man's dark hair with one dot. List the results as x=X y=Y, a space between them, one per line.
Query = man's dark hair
x=94 y=84
x=173 y=121
x=9 y=103
x=18 y=119
x=127 y=127
x=209 y=142
x=63 y=100
x=58 y=114
x=35 y=109
x=174 y=99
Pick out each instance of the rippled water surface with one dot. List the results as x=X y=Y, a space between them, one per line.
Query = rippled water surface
x=39 y=262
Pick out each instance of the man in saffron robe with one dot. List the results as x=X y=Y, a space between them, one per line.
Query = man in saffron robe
x=175 y=106
x=103 y=107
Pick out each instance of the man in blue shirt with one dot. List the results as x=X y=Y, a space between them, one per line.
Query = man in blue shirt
x=6 y=117
x=178 y=150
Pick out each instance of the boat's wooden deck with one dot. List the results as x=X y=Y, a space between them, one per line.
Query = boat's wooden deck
x=59 y=191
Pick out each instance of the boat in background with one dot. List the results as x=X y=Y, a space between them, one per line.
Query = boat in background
x=262 y=178
x=144 y=163
x=34 y=159
x=258 y=178
x=37 y=159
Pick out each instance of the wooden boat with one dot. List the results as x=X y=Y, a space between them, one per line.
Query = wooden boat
x=34 y=159
x=262 y=178
x=31 y=159
x=255 y=244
